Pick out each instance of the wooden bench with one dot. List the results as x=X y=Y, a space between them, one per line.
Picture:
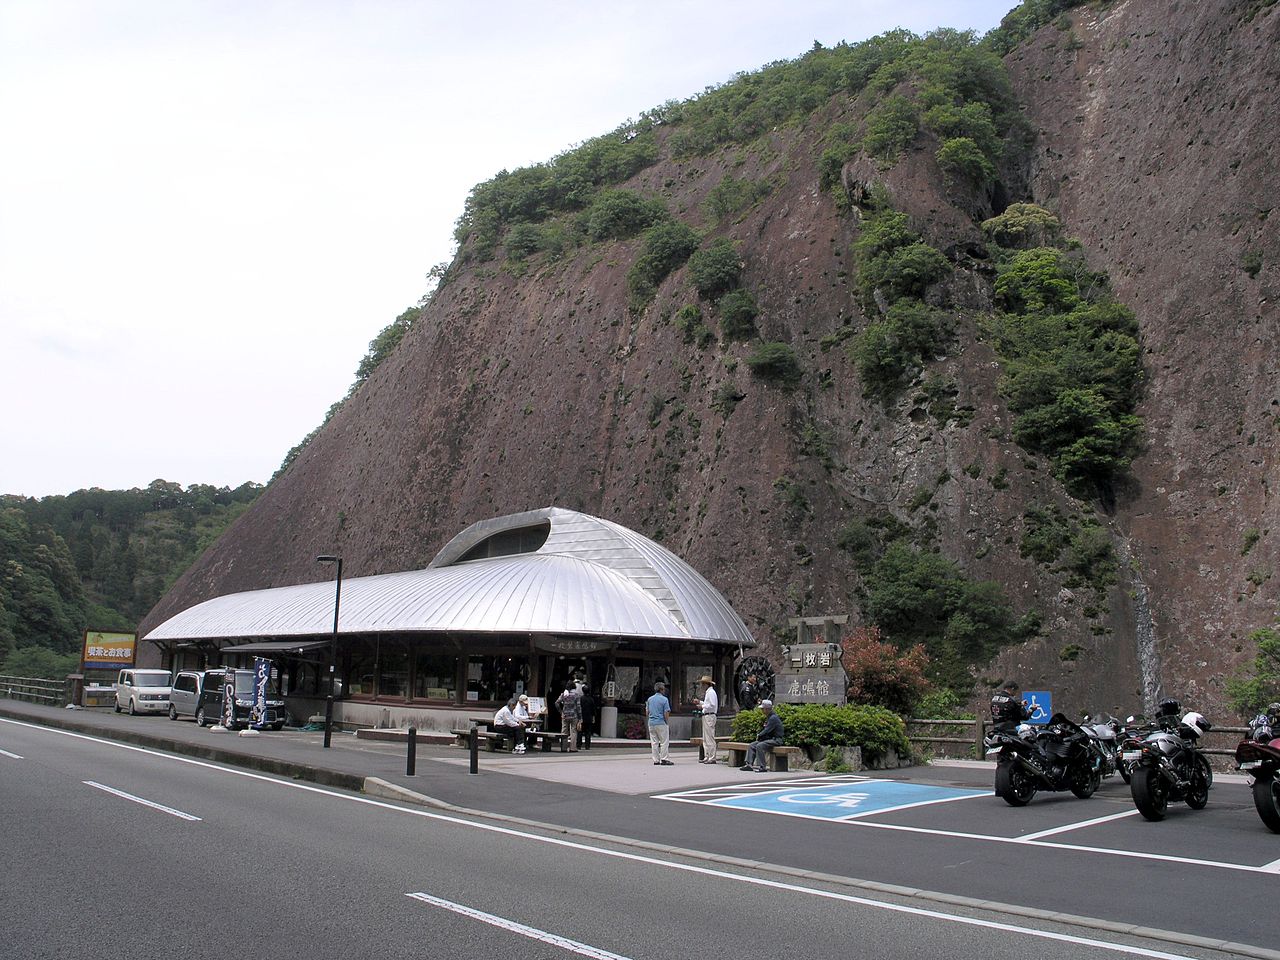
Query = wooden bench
x=491 y=740
x=545 y=738
x=779 y=758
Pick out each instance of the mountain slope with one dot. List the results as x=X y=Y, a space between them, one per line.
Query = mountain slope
x=545 y=375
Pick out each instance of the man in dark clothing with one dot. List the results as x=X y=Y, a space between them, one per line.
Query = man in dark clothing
x=1008 y=709
x=587 y=704
x=770 y=736
x=748 y=693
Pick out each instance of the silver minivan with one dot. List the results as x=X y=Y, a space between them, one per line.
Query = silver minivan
x=142 y=691
x=197 y=693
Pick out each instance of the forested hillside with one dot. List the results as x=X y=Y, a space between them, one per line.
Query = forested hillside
x=97 y=559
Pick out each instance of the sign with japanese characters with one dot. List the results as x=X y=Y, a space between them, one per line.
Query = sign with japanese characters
x=809 y=687
x=811 y=673
x=108 y=650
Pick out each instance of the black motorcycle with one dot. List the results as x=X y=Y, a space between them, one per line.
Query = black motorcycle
x=1104 y=731
x=1165 y=766
x=1058 y=756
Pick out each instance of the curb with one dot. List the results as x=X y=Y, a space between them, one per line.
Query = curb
x=383 y=789
x=281 y=768
x=377 y=787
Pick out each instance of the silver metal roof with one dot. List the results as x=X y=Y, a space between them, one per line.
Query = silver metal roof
x=591 y=576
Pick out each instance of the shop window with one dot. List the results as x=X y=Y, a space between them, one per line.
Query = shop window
x=393 y=670
x=361 y=668
x=435 y=676
x=689 y=689
x=494 y=679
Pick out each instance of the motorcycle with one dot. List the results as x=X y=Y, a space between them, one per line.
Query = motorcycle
x=1166 y=765
x=1104 y=731
x=1059 y=756
x=1130 y=737
x=1259 y=756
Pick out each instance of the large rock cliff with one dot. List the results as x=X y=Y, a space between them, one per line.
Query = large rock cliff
x=530 y=384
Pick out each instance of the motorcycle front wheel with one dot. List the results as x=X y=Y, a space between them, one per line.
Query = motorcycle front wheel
x=1013 y=784
x=1150 y=793
x=1201 y=779
x=1085 y=782
x=1266 y=797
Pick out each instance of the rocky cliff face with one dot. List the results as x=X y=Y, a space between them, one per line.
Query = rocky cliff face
x=529 y=386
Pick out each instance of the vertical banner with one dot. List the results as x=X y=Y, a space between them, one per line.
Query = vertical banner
x=261 y=674
x=229 y=699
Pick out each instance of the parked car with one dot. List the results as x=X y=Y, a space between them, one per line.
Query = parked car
x=142 y=691
x=198 y=693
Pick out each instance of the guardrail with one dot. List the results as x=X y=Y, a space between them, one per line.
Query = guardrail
x=34 y=689
x=968 y=734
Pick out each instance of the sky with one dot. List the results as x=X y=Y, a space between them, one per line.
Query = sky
x=208 y=209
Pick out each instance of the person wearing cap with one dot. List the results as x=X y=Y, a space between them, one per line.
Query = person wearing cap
x=659 y=708
x=522 y=710
x=506 y=721
x=770 y=736
x=710 y=705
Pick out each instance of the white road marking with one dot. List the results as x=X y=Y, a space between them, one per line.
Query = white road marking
x=1272 y=867
x=1078 y=826
x=667 y=864
x=13 y=756
x=146 y=803
x=533 y=933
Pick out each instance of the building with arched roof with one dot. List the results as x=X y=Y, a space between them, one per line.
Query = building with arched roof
x=515 y=604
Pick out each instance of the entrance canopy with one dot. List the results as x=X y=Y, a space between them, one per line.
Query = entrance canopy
x=549 y=571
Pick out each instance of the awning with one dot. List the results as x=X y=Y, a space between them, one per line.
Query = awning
x=277 y=646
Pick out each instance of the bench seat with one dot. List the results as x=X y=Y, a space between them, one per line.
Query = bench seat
x=779 y=758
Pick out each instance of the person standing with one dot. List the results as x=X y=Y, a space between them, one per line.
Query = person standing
x=710 y=705
x=587 y=704
x=749 y=693
x=570 y=704
x=659 y=708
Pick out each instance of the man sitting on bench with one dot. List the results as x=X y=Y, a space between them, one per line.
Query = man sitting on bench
x=770 y=736
x=505 y=721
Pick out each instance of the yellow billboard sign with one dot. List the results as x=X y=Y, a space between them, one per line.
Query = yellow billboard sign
x=106 y=649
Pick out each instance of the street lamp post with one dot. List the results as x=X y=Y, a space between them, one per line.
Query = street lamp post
x=333 y=650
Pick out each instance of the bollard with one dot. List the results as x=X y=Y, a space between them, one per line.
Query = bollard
x=411 y=763
x=475 y=751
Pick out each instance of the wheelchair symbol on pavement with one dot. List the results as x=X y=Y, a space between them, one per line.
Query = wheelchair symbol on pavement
x=1040 y=703
x=846 y=800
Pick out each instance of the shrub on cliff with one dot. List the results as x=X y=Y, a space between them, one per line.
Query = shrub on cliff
x=889 y=349
x=666 y=246
x=776 y=362
x=618 y=214
x=715 y=269
x=738 y=311
x=891 y=126
x=1023 y=225
x=880 y=673
x=1251 y=693
x=962 y=161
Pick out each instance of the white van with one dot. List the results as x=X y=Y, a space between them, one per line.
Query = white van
x=142 y=691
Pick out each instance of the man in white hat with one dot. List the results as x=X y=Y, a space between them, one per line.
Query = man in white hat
x=710 y=705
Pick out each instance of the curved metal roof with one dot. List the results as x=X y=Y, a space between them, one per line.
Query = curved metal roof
x=590 y=577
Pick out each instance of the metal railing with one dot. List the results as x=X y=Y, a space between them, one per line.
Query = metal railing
x=34 y=689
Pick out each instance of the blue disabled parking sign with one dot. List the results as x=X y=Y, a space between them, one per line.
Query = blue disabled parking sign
x=1040 y=703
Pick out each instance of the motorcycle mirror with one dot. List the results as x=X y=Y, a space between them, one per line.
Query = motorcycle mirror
x=1128 y=719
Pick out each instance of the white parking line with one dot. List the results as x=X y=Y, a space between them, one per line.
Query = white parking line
x=12 y=756
x=1078 y=826
x=146 y=803
x=1272 y=867
x=533 y=933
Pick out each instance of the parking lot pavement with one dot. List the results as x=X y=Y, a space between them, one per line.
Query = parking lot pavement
x=1226 y=835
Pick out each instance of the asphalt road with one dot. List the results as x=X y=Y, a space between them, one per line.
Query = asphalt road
x=121 y=851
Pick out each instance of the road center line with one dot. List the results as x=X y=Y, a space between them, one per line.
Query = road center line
x=533 y=933
x=1078 y=826
x=763 y=882
x=12 y=756
x=146 y=803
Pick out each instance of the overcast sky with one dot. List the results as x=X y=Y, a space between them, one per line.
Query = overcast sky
x=207 y=210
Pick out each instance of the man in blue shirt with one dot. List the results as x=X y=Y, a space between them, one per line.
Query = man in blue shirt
x=659 y=732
